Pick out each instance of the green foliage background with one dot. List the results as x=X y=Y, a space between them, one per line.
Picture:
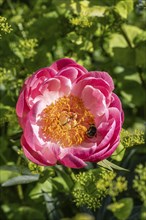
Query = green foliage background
x=101 y=35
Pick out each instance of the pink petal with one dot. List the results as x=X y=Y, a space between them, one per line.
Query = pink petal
x=70 y=73
x=32 y=154
x=60 y=64
x=95 y=83
x=109 y=151
x=117 y=104
x=66 y=85
x=50 y=152
x=115 y=113
x=106 y=131
x=21 y=104
x=95 y=157
x=94 y=100
x=72 y=161
x=105 y=76
x=83 y=151
x=31 y=135
x=34 y=113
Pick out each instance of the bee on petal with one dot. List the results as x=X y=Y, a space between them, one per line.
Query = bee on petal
x=91 y=132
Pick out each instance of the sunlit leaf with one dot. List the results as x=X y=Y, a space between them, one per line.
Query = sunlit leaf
x=109 y=165
x=119 y=153
x=122 y=208
x=124 y=8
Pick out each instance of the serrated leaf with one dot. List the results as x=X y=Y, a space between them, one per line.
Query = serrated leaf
x=122 y=208
x=21 y=180
x=109 y=165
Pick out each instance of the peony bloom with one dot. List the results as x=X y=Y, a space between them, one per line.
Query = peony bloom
x=69 y=115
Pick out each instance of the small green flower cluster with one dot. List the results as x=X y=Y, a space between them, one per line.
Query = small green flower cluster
x=81 y=21
x=129 y=139
x=25 y=48
x=8 y=79
x=139 y=182
x=85 y=191
x=34 y=168
x=7 y=114
x=91 y=187
x=4 y=26
x=118 y=186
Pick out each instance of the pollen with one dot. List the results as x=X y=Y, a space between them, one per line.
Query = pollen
x=66 y=121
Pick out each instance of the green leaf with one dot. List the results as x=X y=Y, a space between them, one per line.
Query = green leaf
x=137 y=95
x=50 y=207
x=29 y=213
x=140 y=56
x=14 y=168
x=97 y=11
x=21 y=180
x=119 y=153
x=109 y=165
x=140 y=38
x=75 y=38
x=6 y=175
x=124 y=8
x=122 y=208
x=143 y=213
x=66 y=178
x=121 y=57
x=37 y=190
x=131 y=32
x=24 y=212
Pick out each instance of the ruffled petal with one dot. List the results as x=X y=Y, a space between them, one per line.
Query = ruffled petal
x=90 y=81
x=60 y=64
x=70 y=73
x=72 y=161
x=95 y=157
x=105 y=76
x=33 y=155
x=109 y=151
x=117 y=104
x=94 y=100
x=50 y=152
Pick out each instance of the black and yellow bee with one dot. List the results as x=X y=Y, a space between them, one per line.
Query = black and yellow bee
x=91 y=132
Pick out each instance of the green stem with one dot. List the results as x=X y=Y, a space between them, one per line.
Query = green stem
x=140 y=72
x=20 y=192
x=19 y=187
x=3 y=158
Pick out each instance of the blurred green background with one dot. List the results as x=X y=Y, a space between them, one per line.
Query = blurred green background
x=100 y=35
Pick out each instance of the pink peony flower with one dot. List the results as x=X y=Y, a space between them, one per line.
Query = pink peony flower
x=69 y=115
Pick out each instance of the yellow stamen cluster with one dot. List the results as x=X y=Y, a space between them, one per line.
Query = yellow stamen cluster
x=66 y=121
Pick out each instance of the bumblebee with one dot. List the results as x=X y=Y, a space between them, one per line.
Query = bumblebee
x=91 y=132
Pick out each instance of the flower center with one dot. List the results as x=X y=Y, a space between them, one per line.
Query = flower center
x=66 y=121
